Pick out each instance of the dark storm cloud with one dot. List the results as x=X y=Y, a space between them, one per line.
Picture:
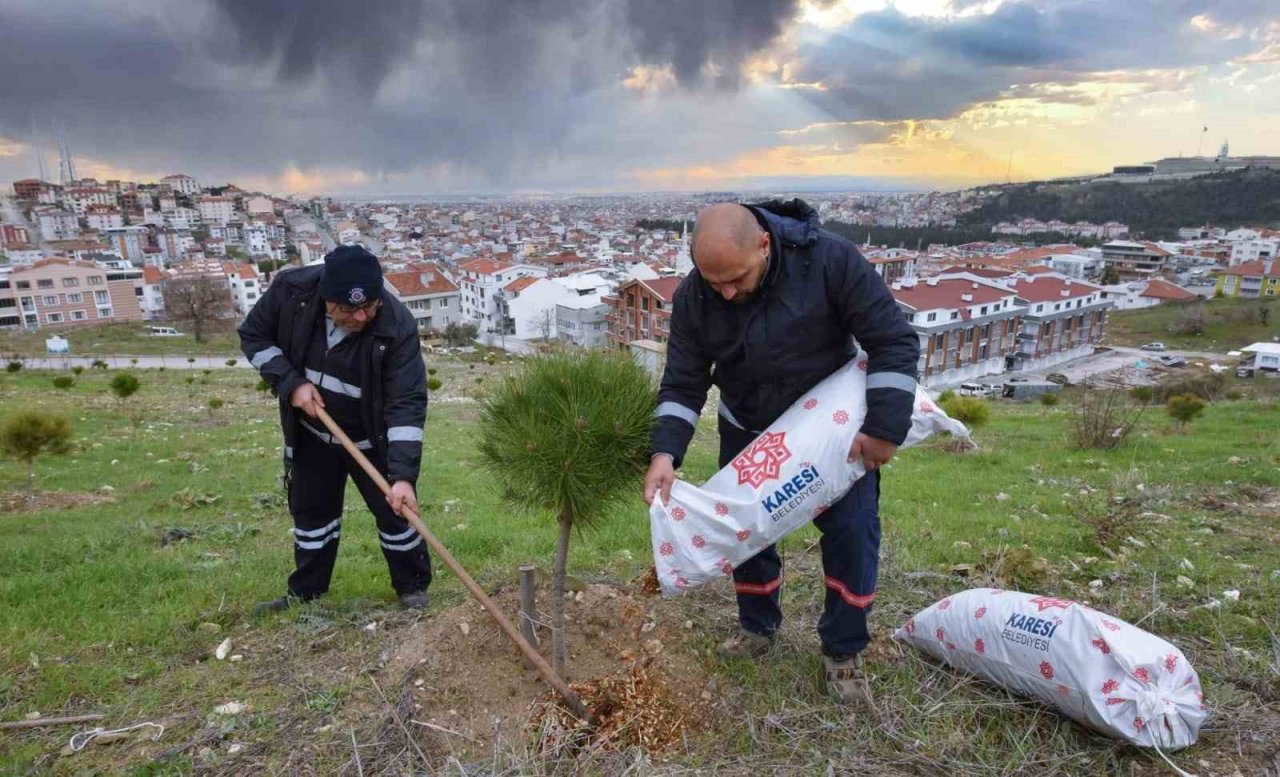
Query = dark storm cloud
x=886 y=65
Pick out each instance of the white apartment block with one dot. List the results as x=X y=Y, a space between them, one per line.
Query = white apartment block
x=182 y=184
x=57 y=224
x=103 y=217
x=431 y=297
x=216 y=210
x=481 y=279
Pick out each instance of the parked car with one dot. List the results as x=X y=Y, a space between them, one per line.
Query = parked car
x=1152 y=347
x=1173 y=361
x=977 y=390
x=163 y=331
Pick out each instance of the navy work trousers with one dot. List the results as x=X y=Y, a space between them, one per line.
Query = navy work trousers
x=850 y=563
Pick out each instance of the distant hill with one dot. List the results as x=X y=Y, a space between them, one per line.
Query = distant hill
x=1152 y=210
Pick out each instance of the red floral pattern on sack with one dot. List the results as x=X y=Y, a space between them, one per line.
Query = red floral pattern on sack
x=678 y=514
x=951 y=646
x=666 y=549
x=841 y=417
x=1139 y=724
x=1062 y=689
x=1142 y=675
x=977 y=615
x=1110 y=685
x=944 y=604
x=862 y=364
x=726 y=567
x=980 y=647
x=1046 y=670
x=941 y=634
x=698 y=541
x=1108 y=624
x=1101 y=644
x=743 y=534
x=911 y=626
x=722 y=509
x=927 y=408
x=1170 y=662
x=681 y=582
x=810 y=404
x=1115 y=700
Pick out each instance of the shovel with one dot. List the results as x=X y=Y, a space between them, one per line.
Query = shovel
x=554 y=680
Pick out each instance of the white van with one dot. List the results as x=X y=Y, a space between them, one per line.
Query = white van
x=163 y=331
x=972 y=390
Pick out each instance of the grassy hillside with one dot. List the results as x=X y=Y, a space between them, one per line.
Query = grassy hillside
x=120 y=339
x=1228 y=325
x=1155 y=210
x=150 y=547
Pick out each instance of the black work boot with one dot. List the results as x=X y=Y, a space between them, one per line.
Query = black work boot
x=279 y=604
x=415 y=600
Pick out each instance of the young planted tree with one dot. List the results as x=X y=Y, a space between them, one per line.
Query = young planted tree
x=27 y=434
x=568 y=434
x=124 y=385
x=197 y=300
x=1184 y=408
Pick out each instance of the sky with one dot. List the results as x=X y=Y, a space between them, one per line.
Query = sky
x=520 y=96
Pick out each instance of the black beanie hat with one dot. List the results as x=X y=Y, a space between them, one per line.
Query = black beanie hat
x=352 y=276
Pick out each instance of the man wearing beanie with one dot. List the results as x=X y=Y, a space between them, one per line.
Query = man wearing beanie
x=326 y=336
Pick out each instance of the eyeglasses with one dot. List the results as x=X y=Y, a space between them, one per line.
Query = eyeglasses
x=350 y=310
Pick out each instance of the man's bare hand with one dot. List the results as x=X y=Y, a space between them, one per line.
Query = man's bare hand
x=874 y=451
x=402 y=499
x=659 y=478
x=307 y=398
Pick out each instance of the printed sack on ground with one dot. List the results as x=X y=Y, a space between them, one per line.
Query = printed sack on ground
x=789 y=475
x=1095 y=668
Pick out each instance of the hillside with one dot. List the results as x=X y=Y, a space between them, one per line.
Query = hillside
x=1153 y=210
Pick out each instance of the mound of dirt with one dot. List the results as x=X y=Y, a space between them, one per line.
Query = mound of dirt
x=627 y=658
x=16 y=501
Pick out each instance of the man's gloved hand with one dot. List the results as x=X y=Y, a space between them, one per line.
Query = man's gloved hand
x=307 y=398
x=659 y=478
x=402 y=499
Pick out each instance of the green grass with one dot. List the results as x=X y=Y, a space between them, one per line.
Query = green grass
x=128 y=339
x=98 y=612
x=1229 y=325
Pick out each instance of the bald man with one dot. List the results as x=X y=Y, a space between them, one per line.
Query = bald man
x=773 y=306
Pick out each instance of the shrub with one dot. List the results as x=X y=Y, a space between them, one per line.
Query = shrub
x=214 y=404
x=970 y=411
x=1184 y=408
x=231 y=362
x=78 y=370
x=263 y=386
x=1049 y=399
x=1143 y=394
x=13 y=366
x=434 y=384
x=1234 y=394
x=124 y=385
x=27 y=434
x=432 y=371
x=1104 y=419
x=1190 y=321
x=191 y=360
x=1209 y=386
x=134 y=362
x=568 y=434
x=64 y=382
x=946 y=396
x=99 y=364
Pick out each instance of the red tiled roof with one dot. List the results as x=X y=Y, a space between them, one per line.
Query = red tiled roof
x=946 y=294
x=981 y=272
x=152 y=274
x=665 y=288
x=1161 y=289
x=520 y=284
x=1253 y=269
x=409 y=284
x=1049 y=288
x=246 y=271
x=1037 y=269
x=484 y=266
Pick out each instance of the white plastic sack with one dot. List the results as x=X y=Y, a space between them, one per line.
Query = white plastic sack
x=1094 y=668
x=789 y=475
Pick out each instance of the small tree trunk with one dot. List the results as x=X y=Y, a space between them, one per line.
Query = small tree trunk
x=31 y=482
x=559 y=653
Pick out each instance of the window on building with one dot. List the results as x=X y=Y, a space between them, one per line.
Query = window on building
x=95 y=280
x=101 y=298
x=644 y=303
x=104 y=312
x=1039 y=308
x=44 y=283
x=932 y=317
x=68 y=283
x=983 y=311
x=444 y=302
x=23 y=285
x=955 y=314
x=76 y=298
x=77 y=315
x=53 y=318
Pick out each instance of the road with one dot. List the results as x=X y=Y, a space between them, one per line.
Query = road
x=133 y=362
